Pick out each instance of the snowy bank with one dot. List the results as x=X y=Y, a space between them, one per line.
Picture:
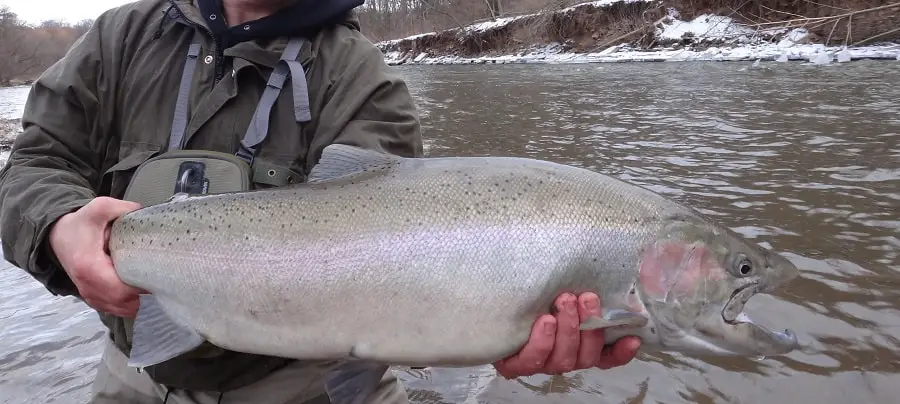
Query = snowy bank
x=706 y=37
x=812 y=53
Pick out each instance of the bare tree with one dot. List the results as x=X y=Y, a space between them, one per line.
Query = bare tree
x=26 y=51
x=18 y=55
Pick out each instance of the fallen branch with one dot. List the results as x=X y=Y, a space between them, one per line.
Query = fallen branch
x=781 y=12
x=826 y=5
x=828 y=40
x=876 y=36
x=626 y=35
x=830 y=18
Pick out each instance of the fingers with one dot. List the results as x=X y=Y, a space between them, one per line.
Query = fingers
x=127 y=308
x=620 y=353
x=79 y=240
x=104 y=291
x=565 y=349
x=591 y=346
x=557 y=345
x=532 y=357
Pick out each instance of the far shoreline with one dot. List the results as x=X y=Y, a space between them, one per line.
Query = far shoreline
x=634 y=31
x=809 y=54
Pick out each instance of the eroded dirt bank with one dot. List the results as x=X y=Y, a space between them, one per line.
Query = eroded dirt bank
x=647 y=25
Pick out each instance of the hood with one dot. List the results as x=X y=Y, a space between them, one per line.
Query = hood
x=302 y=18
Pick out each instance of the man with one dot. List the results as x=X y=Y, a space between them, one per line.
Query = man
x=165 y=74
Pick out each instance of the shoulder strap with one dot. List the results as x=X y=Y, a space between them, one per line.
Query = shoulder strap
x=180 y=120
x=259 y=124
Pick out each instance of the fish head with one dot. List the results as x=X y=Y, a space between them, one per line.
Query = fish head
x=694 y=281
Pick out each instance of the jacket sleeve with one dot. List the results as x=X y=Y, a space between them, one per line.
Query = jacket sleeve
x=368 y=105
x=54 y=163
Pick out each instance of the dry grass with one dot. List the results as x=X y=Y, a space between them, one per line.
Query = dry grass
x=833 y=22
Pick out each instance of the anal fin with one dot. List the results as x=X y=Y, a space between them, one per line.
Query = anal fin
x=156 y=337
x=354 y=382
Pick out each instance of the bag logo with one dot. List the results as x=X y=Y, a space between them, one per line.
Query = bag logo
x=191 y=178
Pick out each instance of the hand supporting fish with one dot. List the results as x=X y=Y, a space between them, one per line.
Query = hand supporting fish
x=557 y=346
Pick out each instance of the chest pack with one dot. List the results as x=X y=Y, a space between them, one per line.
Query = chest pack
x=209 y=172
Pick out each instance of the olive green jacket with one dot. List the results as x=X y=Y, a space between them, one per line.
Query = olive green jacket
x=107 y=107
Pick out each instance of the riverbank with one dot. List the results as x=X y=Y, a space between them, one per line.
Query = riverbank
x=659 y=30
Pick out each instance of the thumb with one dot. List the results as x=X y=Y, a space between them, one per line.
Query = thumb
x=104 y=209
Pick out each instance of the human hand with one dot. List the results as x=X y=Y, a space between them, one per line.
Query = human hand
x=79 y=239
x=558 y=346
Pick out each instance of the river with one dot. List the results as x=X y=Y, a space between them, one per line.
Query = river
x=805 y=159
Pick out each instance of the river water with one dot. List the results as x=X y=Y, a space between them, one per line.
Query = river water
x=805 y=159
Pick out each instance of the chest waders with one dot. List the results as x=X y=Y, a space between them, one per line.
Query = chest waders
x=177 y=170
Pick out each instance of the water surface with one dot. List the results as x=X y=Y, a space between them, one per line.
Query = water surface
x=12 y=101
x=802 y=159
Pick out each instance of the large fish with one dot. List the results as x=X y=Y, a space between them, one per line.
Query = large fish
x=435 y=262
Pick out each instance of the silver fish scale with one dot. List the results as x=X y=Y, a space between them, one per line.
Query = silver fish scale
x=440 y=261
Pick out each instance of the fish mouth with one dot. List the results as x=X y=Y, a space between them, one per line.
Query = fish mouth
x=766 y=341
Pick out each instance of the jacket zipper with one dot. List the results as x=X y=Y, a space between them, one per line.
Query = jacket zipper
x=217 y=50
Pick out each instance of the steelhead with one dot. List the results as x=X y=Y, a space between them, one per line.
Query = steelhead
x=386 y=260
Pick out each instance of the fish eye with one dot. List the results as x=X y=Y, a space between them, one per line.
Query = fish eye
x=744 y=266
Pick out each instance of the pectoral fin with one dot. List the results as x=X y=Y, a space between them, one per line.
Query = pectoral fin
x=157 y=338
x=354 y=382
x=614 y=318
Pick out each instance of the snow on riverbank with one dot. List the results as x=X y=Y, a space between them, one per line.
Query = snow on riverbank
x=812 y=53
x=705 y=38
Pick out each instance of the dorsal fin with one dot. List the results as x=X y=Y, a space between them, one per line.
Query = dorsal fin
x=339 y=160
x=179 y=197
